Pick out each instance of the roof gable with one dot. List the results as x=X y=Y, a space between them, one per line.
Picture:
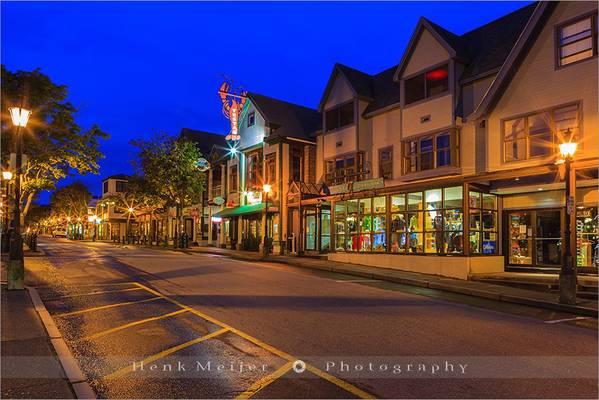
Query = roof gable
x=359 y=82
x=442 y=38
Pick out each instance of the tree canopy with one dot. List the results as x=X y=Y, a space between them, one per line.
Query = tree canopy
x=71 y=201
x=55 y=144
x=169 y=166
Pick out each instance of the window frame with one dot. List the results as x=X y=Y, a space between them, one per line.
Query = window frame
x=547 y=111
x=557 y=41
x=390 y=162
x=270 y=168
x=454 y=151
x=251 y=119
x=334 y=178
x=424 y=73
x=337 y=109
x=233 y=176
x=258 y=169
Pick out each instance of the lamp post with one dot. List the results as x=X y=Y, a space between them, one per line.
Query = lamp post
x=16 y=268
x=266 y=188
x=567 y=276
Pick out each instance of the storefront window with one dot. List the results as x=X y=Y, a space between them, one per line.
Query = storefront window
x=443 y=222
x=340 y=226
x=587 y=235
x=483 y=223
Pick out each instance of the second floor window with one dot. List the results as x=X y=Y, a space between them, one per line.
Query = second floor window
x=254 y=170
x=343 y=169
x=106 y=187
x=270 y=168
x=251 y=119
x=296 y=165
x=339 y=116
x=539 y=134
x=427 y=84
x=386 y=163
x=233 y=178
x=121 y=186
x=431 y=151
x=577 y=41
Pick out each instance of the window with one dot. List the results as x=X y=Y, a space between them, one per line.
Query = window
x=254 y=169
x=105 y=187
x=577 y=41
x=339 y=116
x=296 y=165
x=587 y=237
x=386 y=163
x=251 y=119
x=427 y=84
x=483 y=223
x=233 y=178
x=343 y=169
x=431 y=151
x=121 y=186
x=539 y=134
x=271 y=163
x=360 y=225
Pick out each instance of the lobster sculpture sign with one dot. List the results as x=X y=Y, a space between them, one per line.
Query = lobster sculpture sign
x=233 y=102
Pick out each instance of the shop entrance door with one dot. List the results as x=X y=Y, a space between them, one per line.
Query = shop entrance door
x=534 y=239
x=311 y=235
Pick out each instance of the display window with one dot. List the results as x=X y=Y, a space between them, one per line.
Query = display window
x=482 y=223
x=587 y=237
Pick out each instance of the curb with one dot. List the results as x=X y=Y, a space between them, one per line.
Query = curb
x=70 y=366
x=475 y=292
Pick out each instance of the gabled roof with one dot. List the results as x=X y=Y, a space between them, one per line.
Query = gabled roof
x=360 y=83
x=483 y=50
x=207 y=142
x=515 y=57
x=288 y=120
x=386 y=91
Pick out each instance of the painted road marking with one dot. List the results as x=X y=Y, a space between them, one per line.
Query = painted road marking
x=341 y=383
x=267 y=380
x=556 y=321
x=93 y=293
x=358 y=280
x=107 y=306
x=124 y=371
x=131 y=324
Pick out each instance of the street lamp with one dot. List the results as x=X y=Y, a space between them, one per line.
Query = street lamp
x=266 y=188
x=6 y=175
x=567 y=276
x=16 y=268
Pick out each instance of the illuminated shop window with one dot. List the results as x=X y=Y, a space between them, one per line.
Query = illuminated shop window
x=483 y=223
x=587 y=237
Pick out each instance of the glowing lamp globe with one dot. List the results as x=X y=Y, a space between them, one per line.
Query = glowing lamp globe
x=19 y=116
x=568 y=149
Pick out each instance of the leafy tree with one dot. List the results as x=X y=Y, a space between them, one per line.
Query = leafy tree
x=55 y=145
x=169 y=166
x=71 y=201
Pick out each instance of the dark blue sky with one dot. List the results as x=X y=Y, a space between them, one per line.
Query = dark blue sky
x=140 y=67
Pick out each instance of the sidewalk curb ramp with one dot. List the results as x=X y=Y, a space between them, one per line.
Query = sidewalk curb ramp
x=70 y=366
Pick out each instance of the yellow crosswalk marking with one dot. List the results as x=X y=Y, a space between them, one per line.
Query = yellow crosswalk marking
x=264 y=382
x=107 y=306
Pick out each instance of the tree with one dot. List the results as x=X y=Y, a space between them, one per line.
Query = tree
x=55 y=145
x=170 y=168
x=71 y=201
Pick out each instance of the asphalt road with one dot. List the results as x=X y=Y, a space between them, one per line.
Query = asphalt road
x=161 y=324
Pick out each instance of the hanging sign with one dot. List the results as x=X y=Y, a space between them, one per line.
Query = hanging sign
x=203 y=165
x=233 y=102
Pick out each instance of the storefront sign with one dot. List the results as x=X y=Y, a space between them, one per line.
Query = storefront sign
x=203 y=165
x=369 y=184
x=338 y=189
x=218 y=200
x=233 y=102
x=254 y=197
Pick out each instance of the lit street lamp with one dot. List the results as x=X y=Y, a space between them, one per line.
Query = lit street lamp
x=567 y=276
x=266 y=188
x=6 y=175
x=16 y=268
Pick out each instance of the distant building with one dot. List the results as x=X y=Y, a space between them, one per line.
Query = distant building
x=112 y=220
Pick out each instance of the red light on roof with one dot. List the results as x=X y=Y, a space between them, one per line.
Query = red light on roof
x=436 y=74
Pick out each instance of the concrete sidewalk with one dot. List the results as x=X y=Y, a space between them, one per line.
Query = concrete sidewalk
x=585 y=307
x=30 y=368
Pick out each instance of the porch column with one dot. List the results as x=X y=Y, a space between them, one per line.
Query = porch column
x=209 y=225
x=239 y=231
x=466 y=218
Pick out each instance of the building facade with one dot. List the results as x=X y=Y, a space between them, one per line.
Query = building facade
x=447 y=163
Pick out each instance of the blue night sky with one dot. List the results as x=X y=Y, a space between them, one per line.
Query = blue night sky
x=136 y=68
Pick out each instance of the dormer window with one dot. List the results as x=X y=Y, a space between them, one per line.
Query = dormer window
x=427 y=84
x=251 y=119
x=339 y=116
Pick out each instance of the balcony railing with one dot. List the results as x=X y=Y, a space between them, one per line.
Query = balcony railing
x=345 y=175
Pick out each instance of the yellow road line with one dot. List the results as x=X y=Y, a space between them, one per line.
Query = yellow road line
x=107 y=306
x=131 y=324
x=334 y=380
x=93 y=293
x=264 y=382
x=124 y=371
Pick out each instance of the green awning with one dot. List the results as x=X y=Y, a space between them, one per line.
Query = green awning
x=241 y=210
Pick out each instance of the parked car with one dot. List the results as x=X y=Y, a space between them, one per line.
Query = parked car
x=59 y=233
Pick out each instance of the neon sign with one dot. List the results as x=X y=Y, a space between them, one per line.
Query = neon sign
x=233 y=102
